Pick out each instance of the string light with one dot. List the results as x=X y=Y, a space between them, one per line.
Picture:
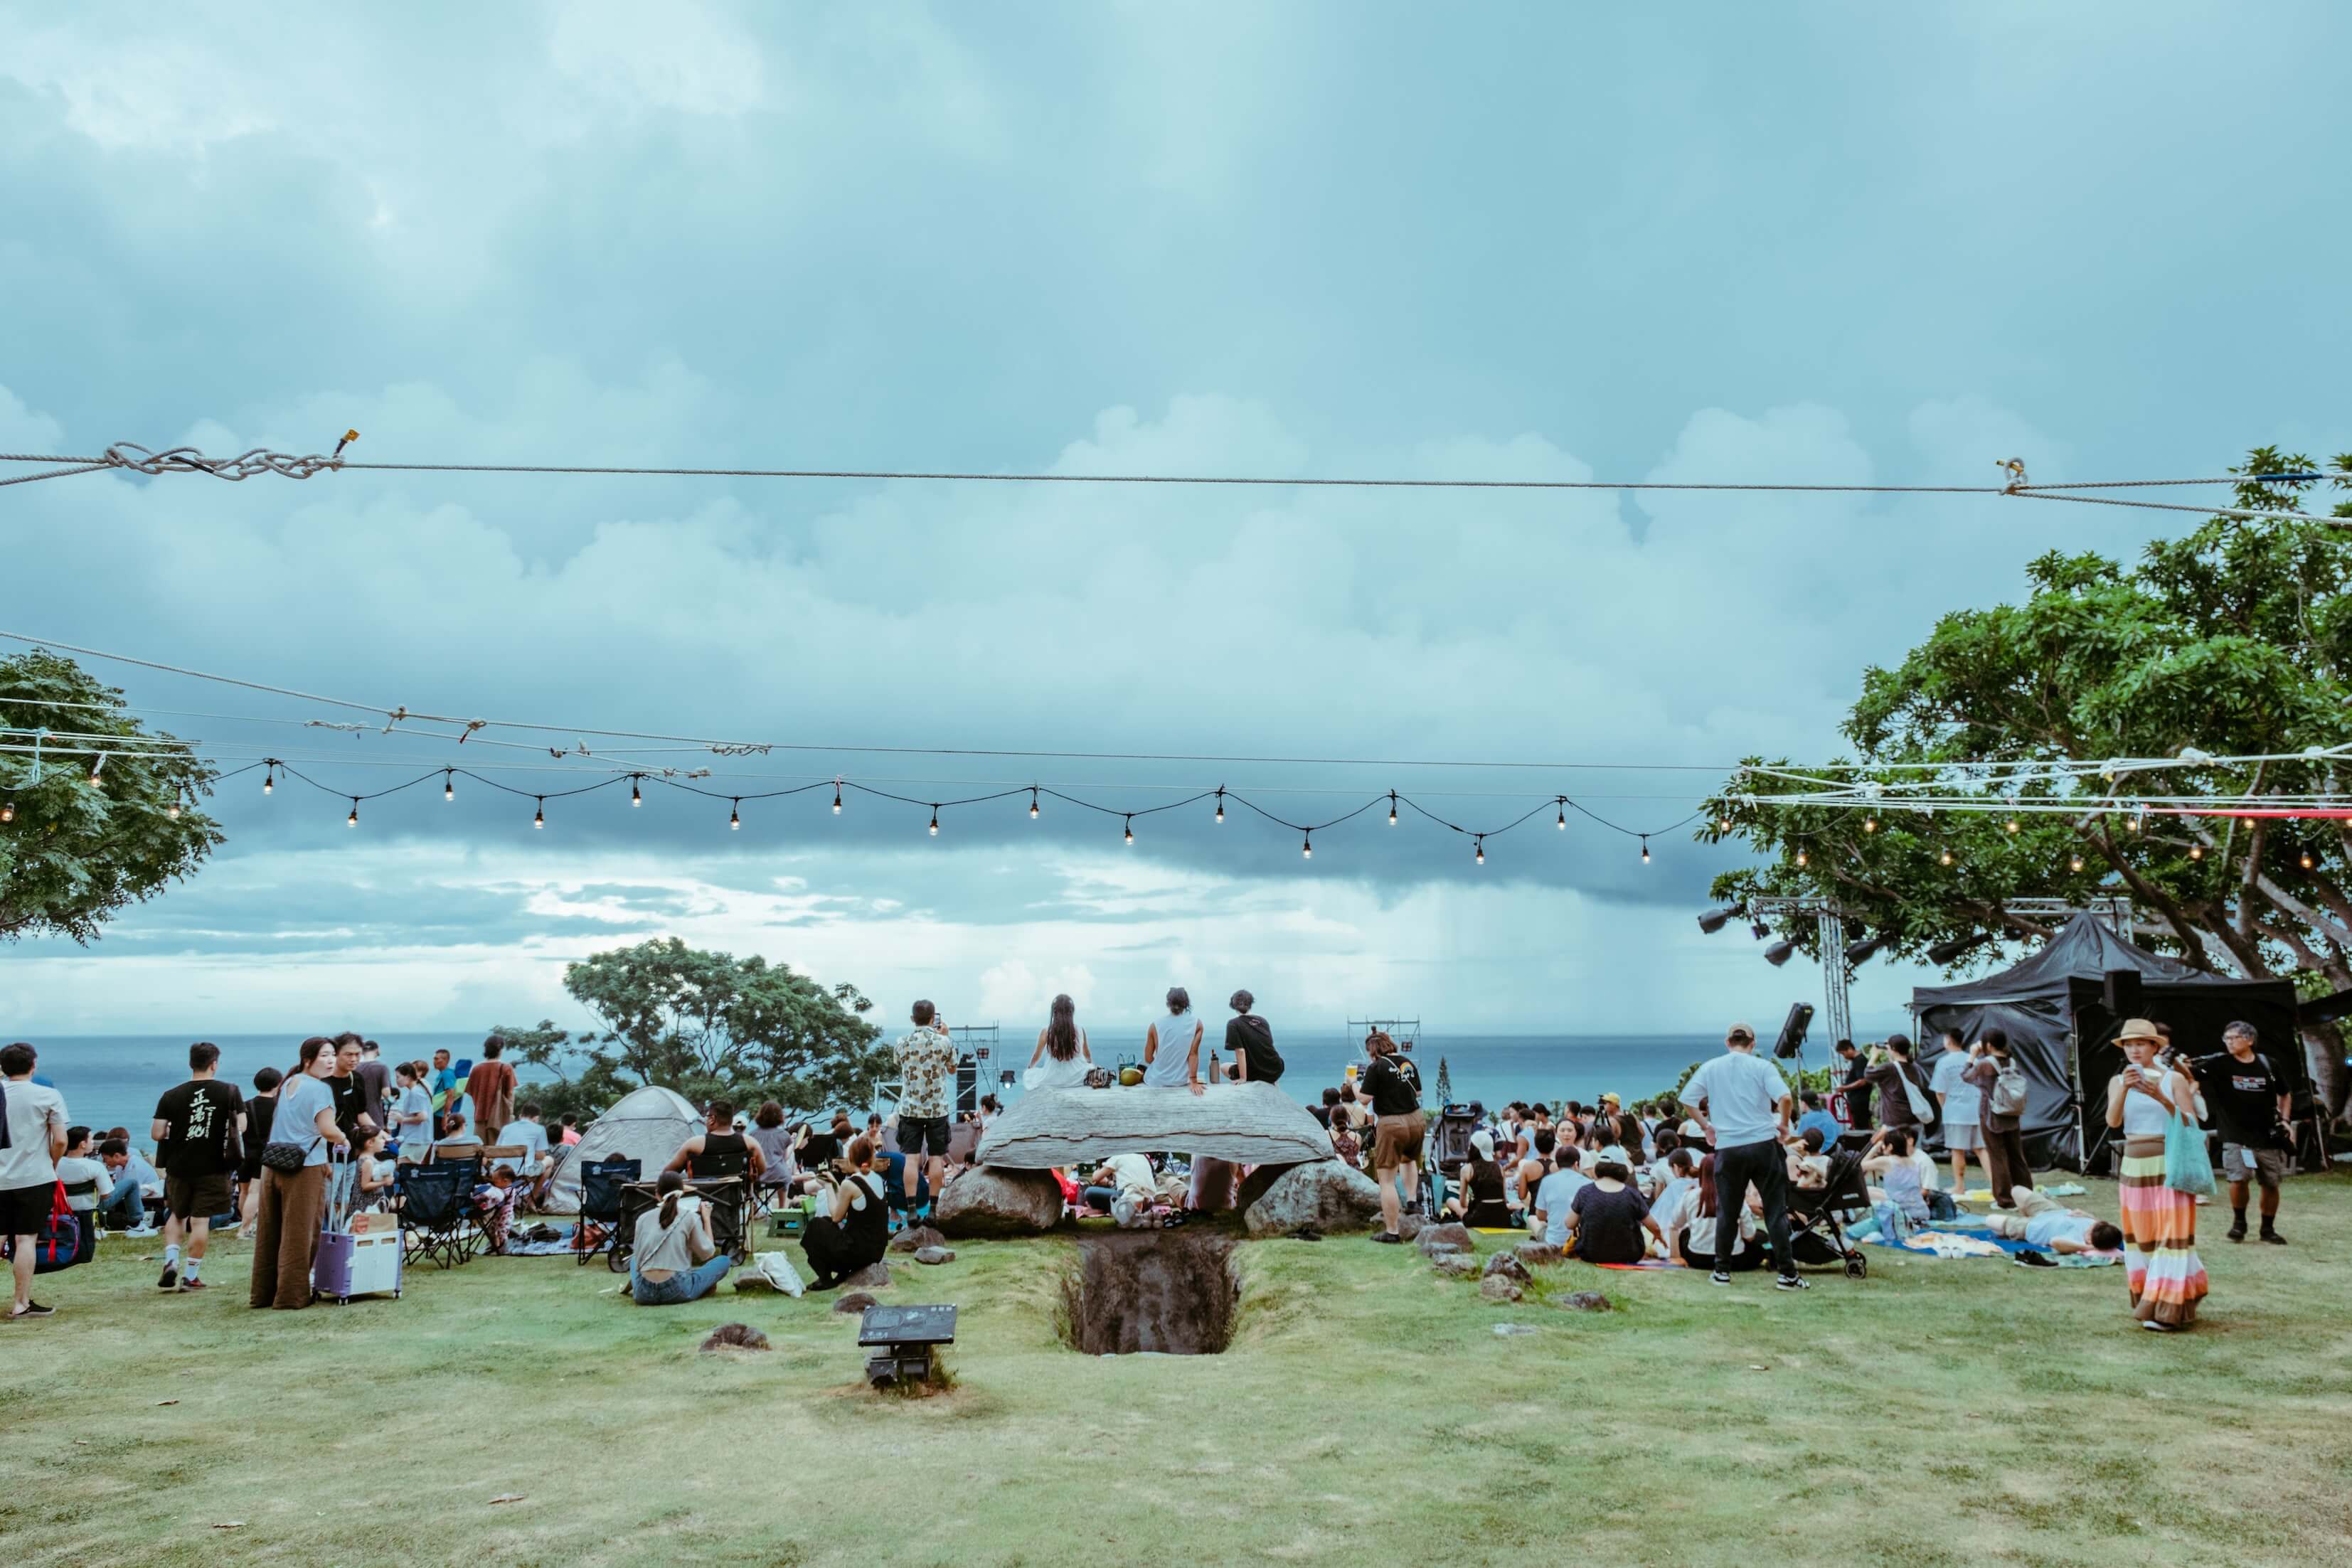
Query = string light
x=1130 y=824
x=1221 y=812
x=2197 y=851
x=539 y=814
x=2304 y=860
x=172 y=810
x=2075 y=861
x=1870 y=824
x=1944 y=859
x=1562 y=823
x=1645 y=849
x=1482 y=849
x=634 y=798
x=2012 y=824
x=97 y=766
x=735 y=815
x=1801 y=856
x=935 y=822
x=1724 y=824
x=1392 y=808
x=836 y=799
x=1033 y=805
x=1306 y=850
x=8 y=812
x=353 y=820
x=268 y=779
x=448 y=784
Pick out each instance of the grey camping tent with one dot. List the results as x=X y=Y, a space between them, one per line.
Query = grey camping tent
x=2061 y=1033
x=645 y=1124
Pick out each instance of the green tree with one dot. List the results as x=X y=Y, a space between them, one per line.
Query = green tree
x=76 y=853
x=2233 y=640
x=708 y=1024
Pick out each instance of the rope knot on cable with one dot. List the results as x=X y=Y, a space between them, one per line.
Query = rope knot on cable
x=244 y=465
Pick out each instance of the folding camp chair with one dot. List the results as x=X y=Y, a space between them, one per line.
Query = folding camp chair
x=600 y=1182
x=434 y=1203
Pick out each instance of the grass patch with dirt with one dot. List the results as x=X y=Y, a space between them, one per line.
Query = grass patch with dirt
x=1934 y=1413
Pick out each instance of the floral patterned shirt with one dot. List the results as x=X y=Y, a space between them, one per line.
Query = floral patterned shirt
x=927 y=1072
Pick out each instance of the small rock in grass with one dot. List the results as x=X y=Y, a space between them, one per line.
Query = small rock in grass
x=1456 y=1265
x=1500 y=1288
x=854 y=1301
x=1584 y=1302
x=1430 y=1238
x=735 y=1336
x=1410 y=1226
x=935 y=1255
x=1534 y=1252
x=1507 y=1265
x=873 y=1277
x=914 y=1238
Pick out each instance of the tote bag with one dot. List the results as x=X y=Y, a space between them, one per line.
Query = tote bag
x=2187 y=1167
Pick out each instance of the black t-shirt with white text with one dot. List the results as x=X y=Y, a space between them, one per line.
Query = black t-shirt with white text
x=2243 y=1097
x=1393 y=1083
x=200 y=1118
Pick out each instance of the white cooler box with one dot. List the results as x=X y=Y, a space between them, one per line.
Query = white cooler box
x=364 y=1262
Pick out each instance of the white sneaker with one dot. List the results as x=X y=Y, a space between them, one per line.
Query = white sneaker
x=143 y=1230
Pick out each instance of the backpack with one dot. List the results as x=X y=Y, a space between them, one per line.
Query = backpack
x=2007 y=1096
x=58 y=1245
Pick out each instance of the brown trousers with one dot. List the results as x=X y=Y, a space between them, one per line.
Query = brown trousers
x=286 y=1236
x=2005 y=1159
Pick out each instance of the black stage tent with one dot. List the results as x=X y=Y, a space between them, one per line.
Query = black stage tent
x=2061 y=1033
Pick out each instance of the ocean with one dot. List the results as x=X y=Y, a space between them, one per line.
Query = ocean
x=110 y=1081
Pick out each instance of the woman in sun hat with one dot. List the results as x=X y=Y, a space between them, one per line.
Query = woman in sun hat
x=2161 y=1269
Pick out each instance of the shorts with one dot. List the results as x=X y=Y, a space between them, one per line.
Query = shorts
x=919 y=1134
x=1396 y=1141
x=1962 y=1134
x=196 y=1198
x=2241 y=1163
x=25 y=1210
x=249 y=1169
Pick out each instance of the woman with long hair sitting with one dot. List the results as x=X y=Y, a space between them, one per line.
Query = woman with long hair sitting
x=858 y=1230
x=1479 y=1200
x=1062 y=1059
x=1697 y=1247
x=676 y=1258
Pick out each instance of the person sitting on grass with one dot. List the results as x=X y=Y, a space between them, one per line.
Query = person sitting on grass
x=1888 y=1162
x=1532 y=1169
x=1675 y=1205
x=1478 y=1200
x=1551 y=1218
x=1808 y=1166
x=674 y=1258
x=1697 y=1247
x=2044 y=1221
x=857 y=1232
x=1611 y=1217
x=126 y=1206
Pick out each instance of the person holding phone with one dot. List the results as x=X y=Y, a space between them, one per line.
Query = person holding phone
x=2162 y=1272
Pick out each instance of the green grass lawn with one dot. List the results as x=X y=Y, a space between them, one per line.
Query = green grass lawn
x=1937 y=1413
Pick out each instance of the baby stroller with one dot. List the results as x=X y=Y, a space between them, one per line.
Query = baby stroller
x=1447 y=1152
x=1815 y=1239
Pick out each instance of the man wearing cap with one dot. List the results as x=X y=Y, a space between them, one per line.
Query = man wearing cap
x=1743 y=1105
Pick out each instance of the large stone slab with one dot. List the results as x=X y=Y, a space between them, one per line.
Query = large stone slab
x=1325 y=1195
x=987 y=1201
x=1249 y=1124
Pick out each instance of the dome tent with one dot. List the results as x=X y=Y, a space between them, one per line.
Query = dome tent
x=645 y=1124
x=2053 y=1006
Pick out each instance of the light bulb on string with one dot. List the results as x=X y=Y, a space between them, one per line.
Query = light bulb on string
x=97 y=766
x=2075 y=861
x=1130 y=824
x=268 y=779
x=1944 y=859
x=1562 y=822
x=2304 y=860
x=1724 y=824
x=2197 y=851
x=1870 y=824
x=1801 y=855
x=8 y=812
x=836 y=799
x=1482 y=849
x=735 y=814
x=1393 y=804
x=935 y=822
x=172 y=811
x=353 y=820
x=539 y=813
x=1645 y=849
x=634 y=798
x=448 y=784
x=1307 y=849
x=1221 y=814
x=1033 y=805
x=2012 y=824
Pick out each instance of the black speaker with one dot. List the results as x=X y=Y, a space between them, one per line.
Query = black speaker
x=2122 y=997
x=1792 y=1033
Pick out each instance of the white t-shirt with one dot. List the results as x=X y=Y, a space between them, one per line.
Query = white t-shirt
x=1960 y=1107
x=530 y=1136
x=76 y=1168
x=1133 y=1173
x=414 y=1136
x=2054 y=1225
x=1743 y=1094
x=34 y=1109
x=1553 y=1196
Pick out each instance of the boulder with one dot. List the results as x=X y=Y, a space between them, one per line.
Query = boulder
x=873 y=1277
x=1456 y=1264
x=1584 y=1302
x=1534 y=1252
x=914 y=1238
x=1324 y=1195
x=1411 y=1225
x=1435 y=1238
x=854 y=1301
x=987 y=1201
x=1499 y=1288
x=1255 y=1185
x=1507 y=1266
x=934 y=1255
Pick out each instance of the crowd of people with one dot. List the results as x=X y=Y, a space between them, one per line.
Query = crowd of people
x=1705 y=1176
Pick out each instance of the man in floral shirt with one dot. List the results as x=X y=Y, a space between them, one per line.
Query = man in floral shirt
x=926 y=1075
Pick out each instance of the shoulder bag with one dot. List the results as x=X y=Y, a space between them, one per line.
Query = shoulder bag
x=2187 y=1166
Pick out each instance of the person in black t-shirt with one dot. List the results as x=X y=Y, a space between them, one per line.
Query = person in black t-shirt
x=1393 y=1083
x=1858 y=1090
x=199 y=1132
x=1249 y=1040
x=2251 y=1100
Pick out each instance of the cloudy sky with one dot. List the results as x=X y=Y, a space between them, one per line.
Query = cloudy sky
x=1839 y=243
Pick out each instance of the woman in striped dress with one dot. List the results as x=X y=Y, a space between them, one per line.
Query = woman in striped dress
x=2166 y=1276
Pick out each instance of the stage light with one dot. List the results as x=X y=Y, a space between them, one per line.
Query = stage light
x=1778 y=952
x=539 y=812
x=1715 y=920
x=1869 y=947
x=1944 y=952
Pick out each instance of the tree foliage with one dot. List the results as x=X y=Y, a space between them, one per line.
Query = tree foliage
x=2235 y=639
x=707 y=1025
x=74 y=854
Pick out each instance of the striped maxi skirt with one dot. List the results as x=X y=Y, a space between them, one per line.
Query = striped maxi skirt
x=2166 y=1276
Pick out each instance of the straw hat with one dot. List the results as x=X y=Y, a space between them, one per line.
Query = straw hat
x=2138 y=1028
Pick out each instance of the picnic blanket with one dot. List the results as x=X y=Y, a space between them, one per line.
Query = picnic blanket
x=558 y=1247
x=1971 y=1238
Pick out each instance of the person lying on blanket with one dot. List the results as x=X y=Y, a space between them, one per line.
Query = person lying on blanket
x=2044 y=1221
